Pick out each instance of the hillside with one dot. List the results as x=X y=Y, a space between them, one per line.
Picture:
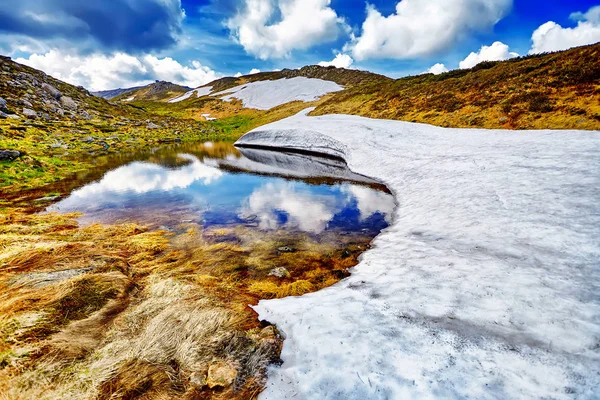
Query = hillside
x=549 y=91
x=112 y=93
x=160 y=91
x=50 y=129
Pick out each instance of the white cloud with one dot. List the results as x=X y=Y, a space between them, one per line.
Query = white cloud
x=237 y=75
x=420 y=28
x=100 y=72
x=300 y=24
x=254 y=71
x=306 y=211
x=437 y=69
x=498 y=51
x=553 y=37
x=340 y=61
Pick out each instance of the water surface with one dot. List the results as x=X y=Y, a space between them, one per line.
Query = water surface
x=215 y=184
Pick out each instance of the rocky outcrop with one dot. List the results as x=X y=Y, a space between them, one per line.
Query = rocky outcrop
x=68 y=103
x=54 y=92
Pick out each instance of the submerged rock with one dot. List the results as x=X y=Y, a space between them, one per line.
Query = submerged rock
x=221 y=374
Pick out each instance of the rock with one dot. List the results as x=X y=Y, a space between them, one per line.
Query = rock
x=29 y=113
x=85 y=115
x=286 y=249
x=220 y=374
x=48 y=198
x=54 y=92
x=88 y=139
x=27 y=103
x=13 y=116
x=198 y=379
x=280 y=272
x=269 y=332
x=9 y=155
x=503 y=119
x=2 y=104
x=68 y=103
x=152 y=125
x=3 y=115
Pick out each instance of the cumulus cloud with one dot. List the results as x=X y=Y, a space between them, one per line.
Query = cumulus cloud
x=553 y=37
x=340 y=61
x=100 y=72
x=237 y=75
x=437 y=69
x=498 y=51
x=116 y=25
x=419 y=28
x=254 y=71
x=273 y=28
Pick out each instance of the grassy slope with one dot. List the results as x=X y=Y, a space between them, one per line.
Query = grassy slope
x=550 y=91
x=55 y=146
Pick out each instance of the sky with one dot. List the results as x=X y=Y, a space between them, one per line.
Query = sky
x=122 y=43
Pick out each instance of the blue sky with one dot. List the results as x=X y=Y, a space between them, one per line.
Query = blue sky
x=106 y=44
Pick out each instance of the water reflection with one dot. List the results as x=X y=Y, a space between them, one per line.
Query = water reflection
x=214 y=184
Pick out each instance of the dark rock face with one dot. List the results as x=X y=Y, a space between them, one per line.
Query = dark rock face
x=9 y=155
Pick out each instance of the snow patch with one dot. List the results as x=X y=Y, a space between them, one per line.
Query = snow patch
x=264 y=95
x=201 y=91
x=485 y=285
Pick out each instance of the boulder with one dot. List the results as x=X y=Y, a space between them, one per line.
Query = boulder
x=152 y=125
x=27 y=103
x=9 y=155
x=2 y=104
x=220 y=374
x=29 y=113
x=85 y=115
x=280 y=272
x=198 y=379
x=13 y=116
x=3 y=115
x=286 y=249
x=68 y=103
x=54 y=92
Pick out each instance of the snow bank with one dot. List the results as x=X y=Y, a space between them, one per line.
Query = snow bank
x=201 y=91
x=485 y=286
x=264 y=95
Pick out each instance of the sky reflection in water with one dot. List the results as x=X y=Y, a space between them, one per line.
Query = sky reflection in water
x=211 y=185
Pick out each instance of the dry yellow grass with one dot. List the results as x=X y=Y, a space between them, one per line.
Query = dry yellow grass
x=122 y=312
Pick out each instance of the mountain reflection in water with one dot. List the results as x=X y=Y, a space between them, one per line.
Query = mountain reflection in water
x=216 y=184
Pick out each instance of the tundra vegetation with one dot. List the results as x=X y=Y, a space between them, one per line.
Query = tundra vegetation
x=122 y=311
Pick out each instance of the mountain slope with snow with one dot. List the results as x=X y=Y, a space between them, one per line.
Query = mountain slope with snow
x=485 y=286
x=264 y=95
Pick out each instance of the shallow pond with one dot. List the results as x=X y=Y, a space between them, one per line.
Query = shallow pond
x=216 y=184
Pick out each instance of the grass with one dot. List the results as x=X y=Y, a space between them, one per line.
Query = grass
x=549 y=91
x=146 y=313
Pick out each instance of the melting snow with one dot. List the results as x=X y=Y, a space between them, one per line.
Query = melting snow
x=485 y=286
x=201 y=91
x=264 y=95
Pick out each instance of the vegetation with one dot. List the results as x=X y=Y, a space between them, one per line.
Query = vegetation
x=124 y=312
x=548 y=91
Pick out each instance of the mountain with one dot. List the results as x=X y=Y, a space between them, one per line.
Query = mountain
x=110 y=94
x=157 y=91
x=547 y=91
